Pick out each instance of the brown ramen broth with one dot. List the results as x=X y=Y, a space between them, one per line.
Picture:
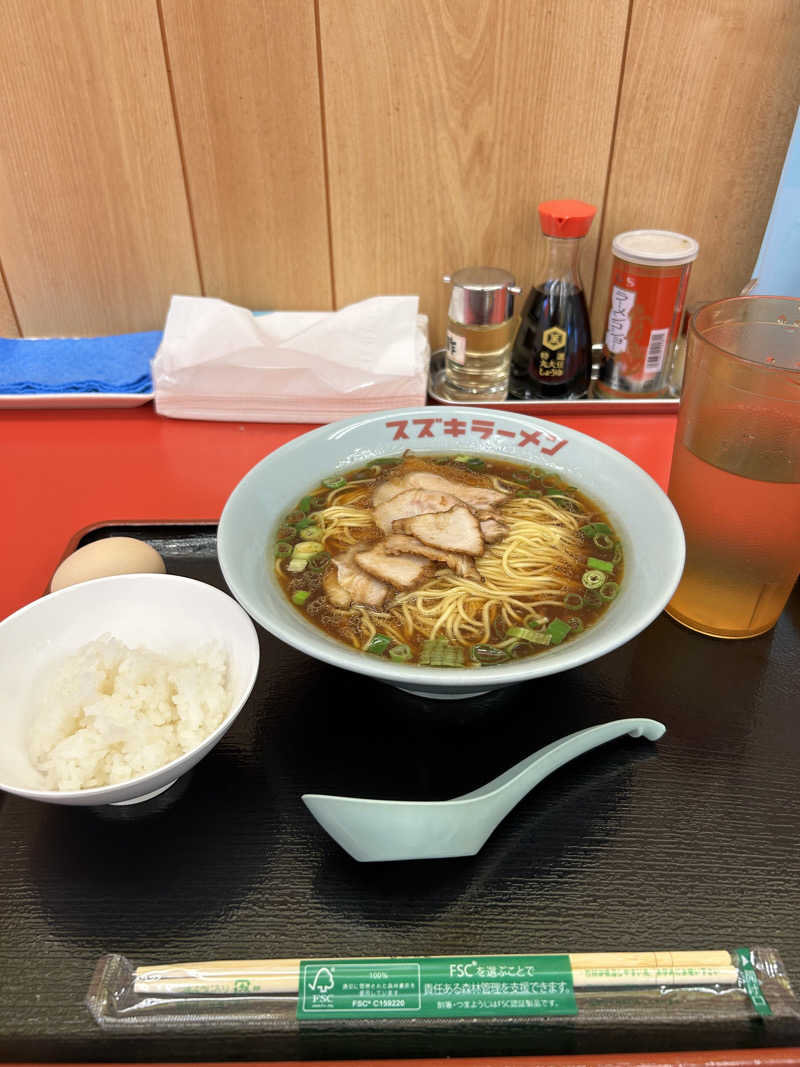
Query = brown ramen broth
x=448 y=560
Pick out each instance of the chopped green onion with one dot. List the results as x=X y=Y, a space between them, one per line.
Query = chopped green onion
x=305 y=505
x=438 y=652
x=334 y=483
x=525 y=493
x=554 y=492
x=592 y=528
x=476 y=463
x=312 y=533
x=301 y=524
x=300 y=597
x=600 y=565
x=593 y=579
x=400 y=653
x=609 y=591
x=558 y=630
x=378 y=644
x=283 y=550
x=524 y=648
x=388 y=461
x=318 y=562
x=306 y=549
x=461 y=459
x=487 y=654
x=573 y=600
x=603 y=541
x=536 y=622
x=575 y=624
x=592 y=598
x=287 y=533
x=294 y=517
x=296 y=565
x=318 y=502
x=533 y=637
x=617 y=557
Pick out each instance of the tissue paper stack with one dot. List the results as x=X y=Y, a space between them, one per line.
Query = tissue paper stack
x=219 y=361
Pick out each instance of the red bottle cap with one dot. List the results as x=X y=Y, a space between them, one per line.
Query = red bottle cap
x=566 y=218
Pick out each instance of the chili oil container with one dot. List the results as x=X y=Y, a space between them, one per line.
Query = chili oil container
x=649 y=276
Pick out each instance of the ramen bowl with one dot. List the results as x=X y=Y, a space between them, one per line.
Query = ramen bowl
x=165 y=613
x=639 y=511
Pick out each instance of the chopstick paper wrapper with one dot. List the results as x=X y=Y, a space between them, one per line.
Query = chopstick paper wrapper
x=584 y=989
x=589 y=971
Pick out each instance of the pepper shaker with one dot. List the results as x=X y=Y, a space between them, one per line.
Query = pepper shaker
x=480 y=332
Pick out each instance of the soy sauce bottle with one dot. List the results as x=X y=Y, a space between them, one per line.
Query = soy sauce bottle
x=552 y=353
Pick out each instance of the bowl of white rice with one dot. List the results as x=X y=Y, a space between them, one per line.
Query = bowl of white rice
x=112 y=689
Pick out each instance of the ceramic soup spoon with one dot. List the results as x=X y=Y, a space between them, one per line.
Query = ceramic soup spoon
x=372 y=830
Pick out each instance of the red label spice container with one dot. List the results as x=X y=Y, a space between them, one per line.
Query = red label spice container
x=649 y=276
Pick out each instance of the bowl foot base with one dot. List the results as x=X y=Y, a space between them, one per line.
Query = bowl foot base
x=147 y=796
x=443 y=696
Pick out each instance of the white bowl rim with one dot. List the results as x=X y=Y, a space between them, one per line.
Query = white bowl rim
x=330 y=651
x=102 y=791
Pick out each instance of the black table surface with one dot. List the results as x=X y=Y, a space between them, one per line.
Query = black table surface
x=691 y=842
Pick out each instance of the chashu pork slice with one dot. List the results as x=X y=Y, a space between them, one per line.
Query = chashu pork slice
x=463 y=566
x=478 y=497
x=410 y=502
x=345 y=583
x=492 y=529
x=403 y=571
x=456 y=530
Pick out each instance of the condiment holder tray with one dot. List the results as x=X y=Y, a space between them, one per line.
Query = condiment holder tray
x=437 y=394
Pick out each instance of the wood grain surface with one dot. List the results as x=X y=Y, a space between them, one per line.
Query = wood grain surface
x=474 y=114
x=709 y=96
x=93 y=213
x=309 y=153
x=8 y=320
x=247 y=95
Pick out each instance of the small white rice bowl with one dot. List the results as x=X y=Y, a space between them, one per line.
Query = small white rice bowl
x=108 y=713
x=112 y=689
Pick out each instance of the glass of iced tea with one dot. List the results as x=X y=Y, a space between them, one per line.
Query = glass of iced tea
x=735 y=478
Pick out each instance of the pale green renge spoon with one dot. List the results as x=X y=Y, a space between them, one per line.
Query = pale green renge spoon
x=376 y=830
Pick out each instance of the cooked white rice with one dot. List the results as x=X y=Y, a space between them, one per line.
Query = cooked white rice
x=109 y=713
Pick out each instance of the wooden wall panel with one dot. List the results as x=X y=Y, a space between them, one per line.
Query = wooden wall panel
x=709 y=97
x=448 y=121
x=94 y=218
x=8 y=321
x=245 y=77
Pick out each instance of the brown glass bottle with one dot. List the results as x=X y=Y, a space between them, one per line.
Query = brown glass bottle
x=552 y=353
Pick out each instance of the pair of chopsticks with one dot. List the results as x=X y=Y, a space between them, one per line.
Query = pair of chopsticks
x=590 y=970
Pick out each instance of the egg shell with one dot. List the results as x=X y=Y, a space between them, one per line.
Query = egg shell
x=103 y=558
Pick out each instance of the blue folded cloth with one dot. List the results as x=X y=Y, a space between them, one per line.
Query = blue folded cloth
x=117 y=364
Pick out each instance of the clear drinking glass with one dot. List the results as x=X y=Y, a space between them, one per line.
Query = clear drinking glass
x=735 y=478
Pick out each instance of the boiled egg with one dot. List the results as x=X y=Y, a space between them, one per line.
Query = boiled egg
x=109 y=555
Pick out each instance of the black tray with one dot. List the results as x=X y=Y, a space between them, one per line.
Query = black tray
x=688 y=844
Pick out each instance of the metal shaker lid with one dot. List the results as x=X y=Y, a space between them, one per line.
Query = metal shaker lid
x=481 y=295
